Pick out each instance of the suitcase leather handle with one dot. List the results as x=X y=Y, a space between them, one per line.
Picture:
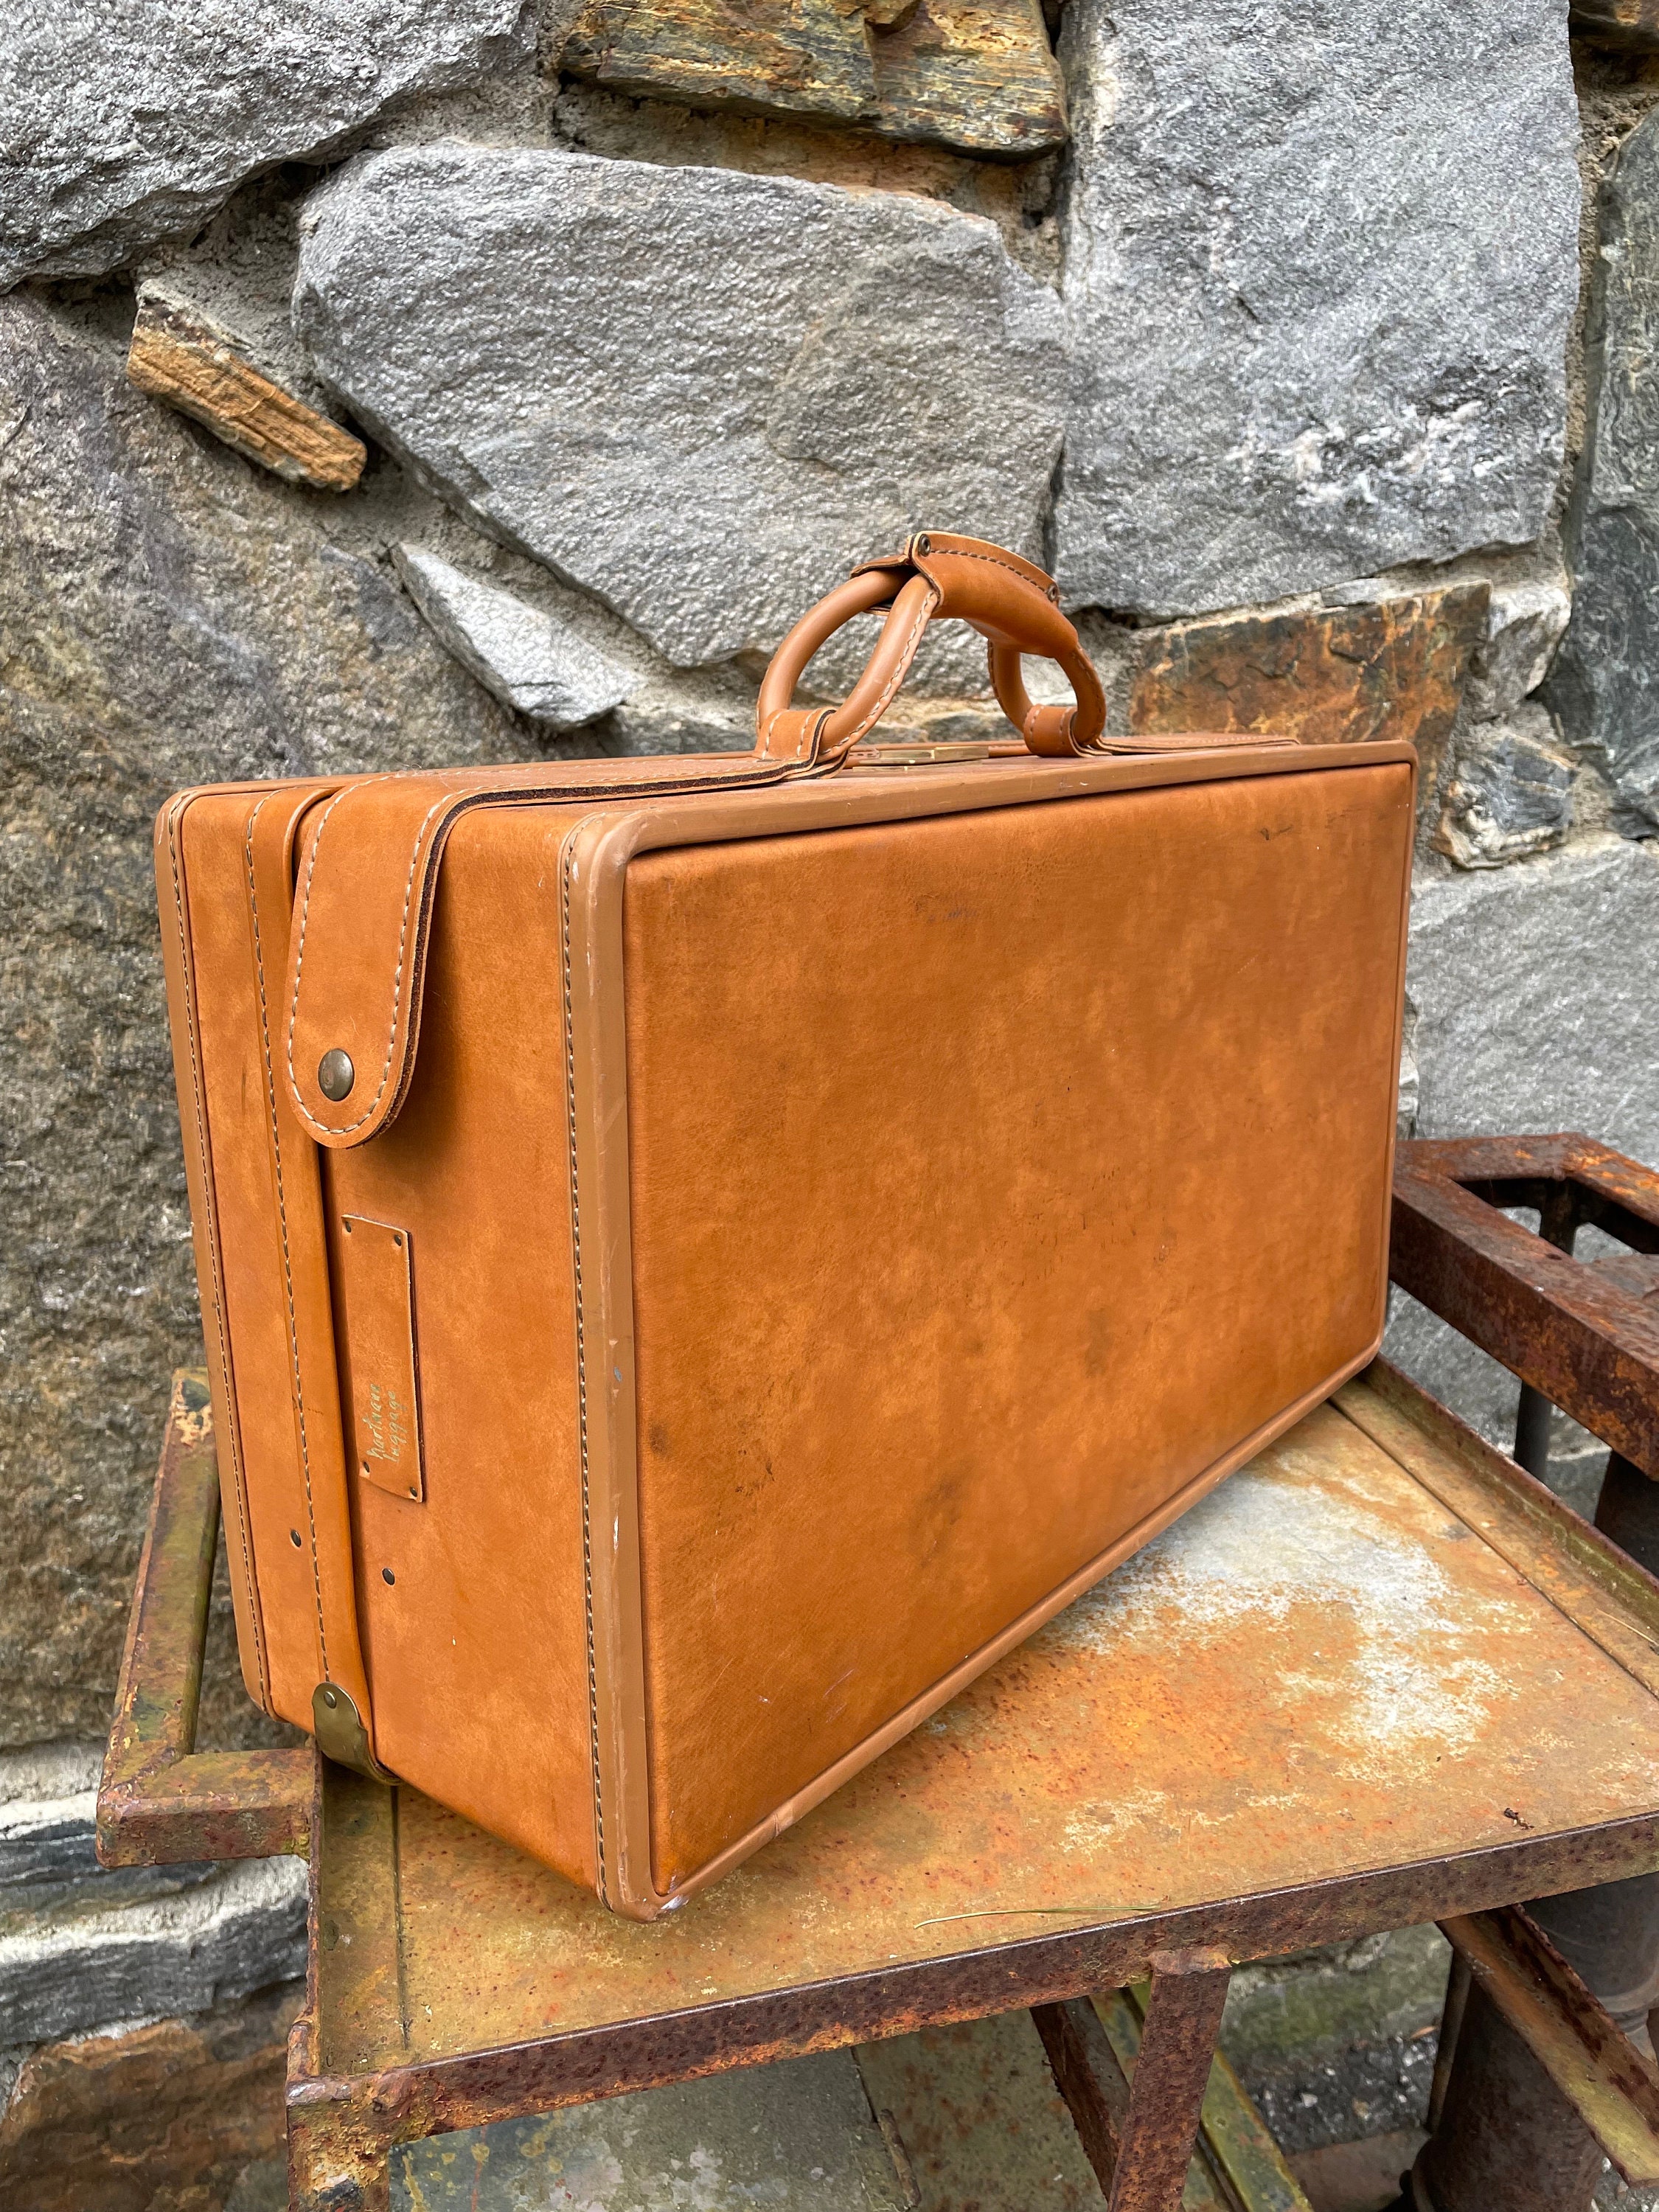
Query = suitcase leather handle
x=1011 y=602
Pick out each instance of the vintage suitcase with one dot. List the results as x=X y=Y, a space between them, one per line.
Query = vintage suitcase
x=700 y=1256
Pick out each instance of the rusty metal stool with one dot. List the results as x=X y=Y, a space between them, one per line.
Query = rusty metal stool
x=1381 y=1676
x=1583 y=1335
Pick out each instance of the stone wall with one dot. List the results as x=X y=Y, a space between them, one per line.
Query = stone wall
x=486 y=379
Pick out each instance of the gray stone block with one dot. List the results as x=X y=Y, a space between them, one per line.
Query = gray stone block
x=1525 y=623
x=49 y=1870
x=531 y=661
x=238 y=271
x=168 y=615
x=122 y=125
x=699 y=394
x=48 y=1797
x=1535 y=994
x=1605 y=683
x=1321 y=265
x=1510 y=792
x=661 y=719
x=232 y=1930
x=797 y=2134
x=1405 y=1115
x=1535 y=1011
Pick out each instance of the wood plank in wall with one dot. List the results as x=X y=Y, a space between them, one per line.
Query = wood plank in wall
x=981 y=78
x=194 y=366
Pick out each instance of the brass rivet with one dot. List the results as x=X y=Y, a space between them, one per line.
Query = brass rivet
x=294 y=1534
x=924 y=543
x=329 y=1699
x=335 y=1075
x=386 y=1575
x=366 y=1469
x=396 y=1240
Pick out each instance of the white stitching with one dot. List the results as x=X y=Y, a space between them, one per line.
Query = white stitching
x=345 y=1129
x=772 y=725
x=773 y=772
x=237 y=1477
x=907 y=655
x=959 y=553
x=581 y=1359
x=305 y=912
x=287 y=1274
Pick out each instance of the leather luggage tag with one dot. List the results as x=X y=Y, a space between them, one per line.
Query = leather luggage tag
x=377 y=1283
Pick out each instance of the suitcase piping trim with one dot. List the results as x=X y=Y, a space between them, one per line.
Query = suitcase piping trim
x=595 y=857
x=581 y=1374
x=281 y=1222
x=173 y=818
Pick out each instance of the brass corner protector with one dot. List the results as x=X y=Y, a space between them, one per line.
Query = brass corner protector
x=338 y=1727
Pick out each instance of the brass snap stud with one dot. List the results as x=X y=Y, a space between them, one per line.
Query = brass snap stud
x=335 y=1075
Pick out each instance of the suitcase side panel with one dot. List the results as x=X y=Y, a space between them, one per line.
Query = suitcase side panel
x=1158 y=1035
x=257 y=1219
x=244 y=1308
x=471 y=1597
x=287 y=1279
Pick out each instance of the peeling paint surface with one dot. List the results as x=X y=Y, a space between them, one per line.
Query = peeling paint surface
x=1319 y=1670
x=1277 y=1550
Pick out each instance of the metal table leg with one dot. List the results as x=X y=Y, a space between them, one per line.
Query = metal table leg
x=1138 y=2136
x=1534 y=2084
x=1579 y=1335
x=1509 y=2141
x=1183 y=2019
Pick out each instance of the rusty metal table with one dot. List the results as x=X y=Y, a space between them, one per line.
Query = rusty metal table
x=1381 y=1676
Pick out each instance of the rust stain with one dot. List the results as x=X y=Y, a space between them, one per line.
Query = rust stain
x=1320 y=1670
x=1394 y=668
x=190 y=1412
x=160 y=1801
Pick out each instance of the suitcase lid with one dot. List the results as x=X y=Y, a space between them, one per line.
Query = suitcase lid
x=369 y=850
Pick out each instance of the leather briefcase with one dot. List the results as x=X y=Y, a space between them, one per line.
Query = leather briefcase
x=700 y=1256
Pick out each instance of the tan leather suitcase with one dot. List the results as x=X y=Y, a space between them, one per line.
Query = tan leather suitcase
x=700 y=1256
